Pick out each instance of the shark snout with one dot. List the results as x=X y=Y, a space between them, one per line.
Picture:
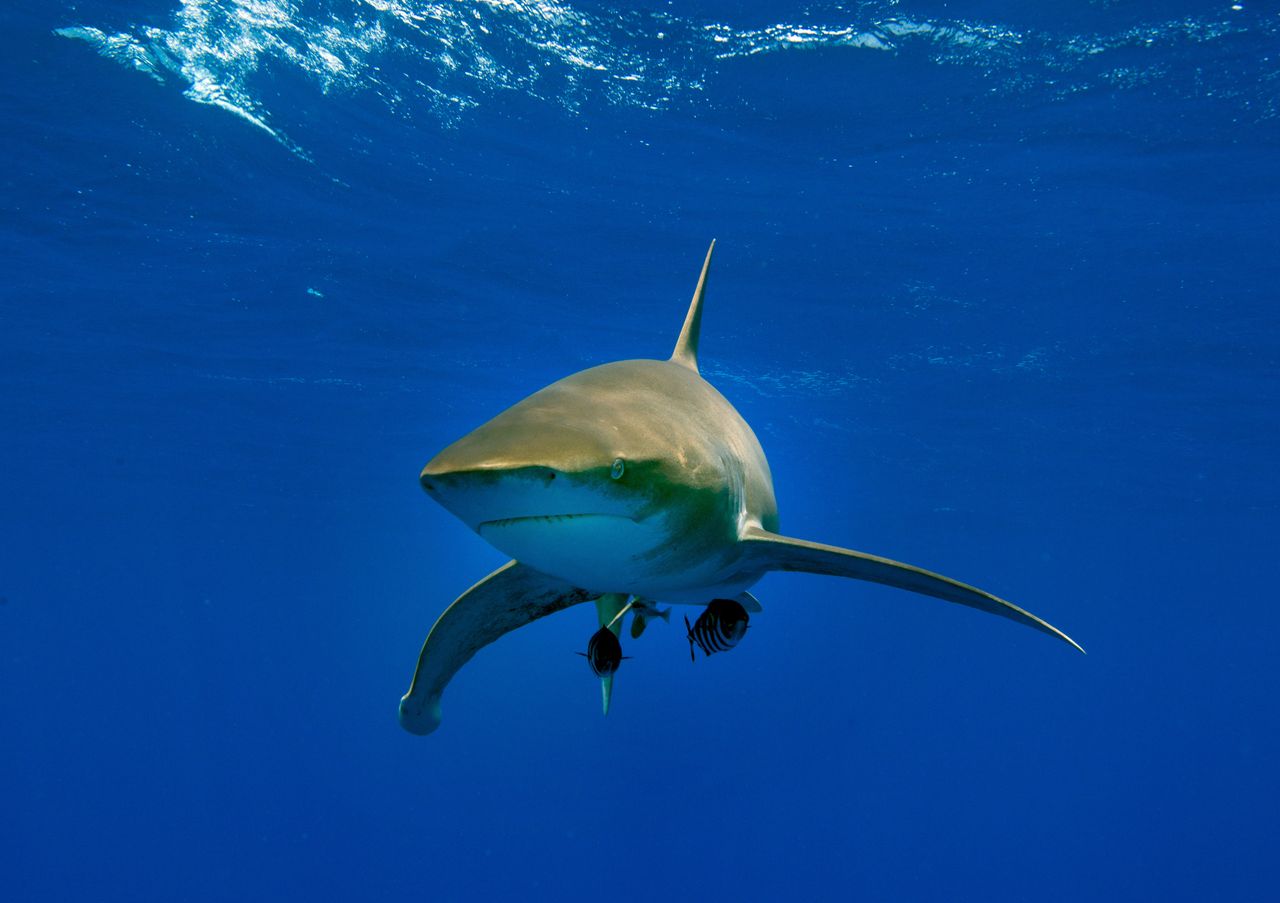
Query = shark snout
x=434 y=476
x=485 y=494
x=533 y=460
x=454 y=469
x=441 y=482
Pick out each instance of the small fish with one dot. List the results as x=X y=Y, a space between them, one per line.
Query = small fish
x=604 y=653
x=642 y=613
x=719 y=628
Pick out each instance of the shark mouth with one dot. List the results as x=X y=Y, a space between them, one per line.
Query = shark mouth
x=546 y=519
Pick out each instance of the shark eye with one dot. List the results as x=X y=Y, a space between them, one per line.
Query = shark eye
x=619 y=466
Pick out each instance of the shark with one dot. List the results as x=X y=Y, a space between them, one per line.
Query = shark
x=627 y=484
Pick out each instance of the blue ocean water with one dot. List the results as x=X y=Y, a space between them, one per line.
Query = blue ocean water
x=995 y=285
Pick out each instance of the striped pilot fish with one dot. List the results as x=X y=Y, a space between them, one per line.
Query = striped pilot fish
x=604 y=653
x=719 y=628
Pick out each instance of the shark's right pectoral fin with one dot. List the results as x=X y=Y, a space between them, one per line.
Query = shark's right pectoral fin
x=512 y=596
x=772 y=552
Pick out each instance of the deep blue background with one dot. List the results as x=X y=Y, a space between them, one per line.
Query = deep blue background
x=999 y=298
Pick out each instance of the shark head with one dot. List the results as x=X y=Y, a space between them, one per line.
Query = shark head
x=560 y=453
x=579 y=479
x=631 y=477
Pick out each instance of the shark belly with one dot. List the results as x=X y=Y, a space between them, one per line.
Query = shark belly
x=607 y=553
x=598 y=552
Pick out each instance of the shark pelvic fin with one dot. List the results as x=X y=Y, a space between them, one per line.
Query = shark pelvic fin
x=509 y=598
x=686 y=352
x=772 y=552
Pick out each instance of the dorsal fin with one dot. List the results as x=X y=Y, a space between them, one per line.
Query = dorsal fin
x=686 y=352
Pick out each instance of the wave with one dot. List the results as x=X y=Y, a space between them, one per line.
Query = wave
x=443 y=59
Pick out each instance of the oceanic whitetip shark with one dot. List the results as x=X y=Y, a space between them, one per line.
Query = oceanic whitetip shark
x=633 y=480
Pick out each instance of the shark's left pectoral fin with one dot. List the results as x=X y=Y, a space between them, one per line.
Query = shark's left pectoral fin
x=772 y=552
x=510 y=597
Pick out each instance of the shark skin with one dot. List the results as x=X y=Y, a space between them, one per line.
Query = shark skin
x=635 y=478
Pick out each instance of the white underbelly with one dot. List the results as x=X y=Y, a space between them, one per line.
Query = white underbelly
x=611 y=554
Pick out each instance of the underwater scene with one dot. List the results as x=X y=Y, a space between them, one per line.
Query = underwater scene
x=810 y=527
